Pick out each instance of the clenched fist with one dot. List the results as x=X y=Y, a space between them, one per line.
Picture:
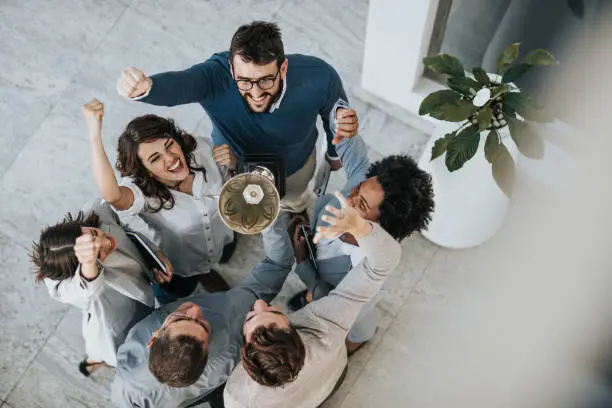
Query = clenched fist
x=93 y=112
x=133 y=83
x=87 y=249
x=347 y=124
x=224 y=156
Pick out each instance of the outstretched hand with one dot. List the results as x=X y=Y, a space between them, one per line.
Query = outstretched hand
x=342 y=220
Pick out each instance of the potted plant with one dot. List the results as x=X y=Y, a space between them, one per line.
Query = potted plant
x=472 y=180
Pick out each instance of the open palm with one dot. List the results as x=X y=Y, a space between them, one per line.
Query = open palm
x=341 y=220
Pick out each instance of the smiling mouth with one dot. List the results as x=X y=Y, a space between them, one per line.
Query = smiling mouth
x=260 y=100
x=110 y=244
x=175 y=167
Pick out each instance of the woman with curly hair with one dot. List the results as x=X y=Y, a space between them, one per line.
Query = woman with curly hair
x=172 y=182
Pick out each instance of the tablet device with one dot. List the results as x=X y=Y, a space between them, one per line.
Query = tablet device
x=310 y=247
x=151 y=259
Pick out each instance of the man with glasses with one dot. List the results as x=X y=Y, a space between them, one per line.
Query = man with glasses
x=182 y=353
x=257 y=104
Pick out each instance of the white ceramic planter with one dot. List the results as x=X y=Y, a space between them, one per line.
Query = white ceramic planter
x=470 y=207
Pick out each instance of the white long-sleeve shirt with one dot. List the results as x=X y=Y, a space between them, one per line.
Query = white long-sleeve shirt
x=191 y=234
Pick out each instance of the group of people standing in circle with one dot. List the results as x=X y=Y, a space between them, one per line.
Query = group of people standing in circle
x=177 y=334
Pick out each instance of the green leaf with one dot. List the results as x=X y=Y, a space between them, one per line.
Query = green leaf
x=529 y=143
x=435 y=99
x=508 y=111
x=481 y=76
x=515 y=72
x=515 y=100
x=491 y=145
x=440 y=145
x=539 y=57
x=503 y=169
x=456 y=111
x=466 y=86
x=462 y=148
x=445 y=64
x=527 y=108
x=508 y=56
x=500 y=90
x=446 y=105
x=485 y=115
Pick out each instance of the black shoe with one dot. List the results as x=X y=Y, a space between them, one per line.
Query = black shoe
x=228 y=251
x=214 y=282
x=298 y=301
x=86 y=368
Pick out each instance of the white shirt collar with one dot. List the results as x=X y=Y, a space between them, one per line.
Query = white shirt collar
x=276 y=104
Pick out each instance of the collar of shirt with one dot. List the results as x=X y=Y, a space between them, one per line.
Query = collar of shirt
x=277 y=103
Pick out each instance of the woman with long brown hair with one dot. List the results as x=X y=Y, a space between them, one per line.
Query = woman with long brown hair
x=171 y=181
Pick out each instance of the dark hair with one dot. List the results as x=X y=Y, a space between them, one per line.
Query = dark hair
x=177 y=361
x=409 y=199
x=273 y=356
x=145 y=129
x=259 y=42
x=53 y=256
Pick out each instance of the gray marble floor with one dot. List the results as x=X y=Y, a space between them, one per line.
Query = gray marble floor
x=56 y=55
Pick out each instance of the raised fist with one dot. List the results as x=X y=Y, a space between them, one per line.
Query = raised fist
x=133 y=83
x=93 y=112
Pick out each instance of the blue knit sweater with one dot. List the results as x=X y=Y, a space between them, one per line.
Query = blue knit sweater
x=313 y=88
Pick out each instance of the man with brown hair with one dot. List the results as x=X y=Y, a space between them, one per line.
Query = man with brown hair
x=298 y=360
x=259 y=100
x=184 y=351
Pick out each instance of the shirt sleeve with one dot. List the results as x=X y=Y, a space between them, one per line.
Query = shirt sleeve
x=199 y=83
x=354 y=155
x=336 y=98
x=77 y=290
x=139 y=203
x=341 y=307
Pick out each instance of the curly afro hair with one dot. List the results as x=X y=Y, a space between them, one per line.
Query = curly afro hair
x=409 y=198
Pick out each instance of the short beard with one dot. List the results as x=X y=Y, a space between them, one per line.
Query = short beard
x=273 y=99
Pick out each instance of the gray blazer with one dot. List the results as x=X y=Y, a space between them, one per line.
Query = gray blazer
x=135 y=386
x=114 y=301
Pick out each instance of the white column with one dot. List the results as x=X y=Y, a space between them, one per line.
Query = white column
x=397 y=38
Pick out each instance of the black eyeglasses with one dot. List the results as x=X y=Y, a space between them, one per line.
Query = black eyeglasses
x=263 y=83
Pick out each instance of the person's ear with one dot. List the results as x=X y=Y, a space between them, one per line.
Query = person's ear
x=229 y=61
x=152 y=339
x=283 y=69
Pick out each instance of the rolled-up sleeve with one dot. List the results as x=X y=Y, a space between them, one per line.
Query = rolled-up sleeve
x=139 y=203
